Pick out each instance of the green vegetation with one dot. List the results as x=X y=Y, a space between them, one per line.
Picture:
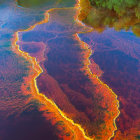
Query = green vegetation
x=46 y=3
x=120 y=14
x=119 y=6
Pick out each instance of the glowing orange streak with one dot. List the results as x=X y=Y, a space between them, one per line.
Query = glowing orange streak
x=89 y=71
x=38 y=70
x=91 y=75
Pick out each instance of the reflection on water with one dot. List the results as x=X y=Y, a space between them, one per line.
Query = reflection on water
x=119 y=15
x=66 y=79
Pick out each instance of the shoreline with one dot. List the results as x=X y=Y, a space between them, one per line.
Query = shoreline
x=38 y=70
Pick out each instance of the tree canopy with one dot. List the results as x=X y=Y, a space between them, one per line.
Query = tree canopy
x=120 y=14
